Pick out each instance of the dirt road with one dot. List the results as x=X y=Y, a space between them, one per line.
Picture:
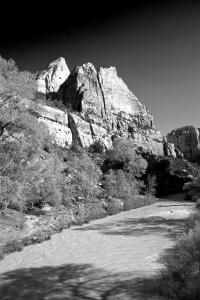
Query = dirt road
x=110 y=258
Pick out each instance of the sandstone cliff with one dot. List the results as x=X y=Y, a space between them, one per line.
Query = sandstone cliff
x=104 y=107
x=50 y=79
x=99 y=107
x=187 y=141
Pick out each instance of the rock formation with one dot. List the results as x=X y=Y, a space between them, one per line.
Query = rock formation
x=55 y=120
x=99 y=106
x=105 y=107
x=169 y=148
x=50 y=79
x=187 y=141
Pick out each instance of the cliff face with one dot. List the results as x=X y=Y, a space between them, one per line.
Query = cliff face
x=106 y=107
x=55 y=120
x=99 y=107
x=50 y=79
x=187 y=141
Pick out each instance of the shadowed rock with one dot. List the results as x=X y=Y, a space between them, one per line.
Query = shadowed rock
x=186 y=140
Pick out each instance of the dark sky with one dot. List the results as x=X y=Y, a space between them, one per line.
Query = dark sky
x=155 y=46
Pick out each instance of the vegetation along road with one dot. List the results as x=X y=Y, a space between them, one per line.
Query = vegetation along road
x=117 y=257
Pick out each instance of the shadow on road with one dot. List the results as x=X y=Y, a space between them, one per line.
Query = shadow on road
x=74 y=282
x=169 y=228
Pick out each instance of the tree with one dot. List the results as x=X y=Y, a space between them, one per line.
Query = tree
x=7 y=191
x=151 y=185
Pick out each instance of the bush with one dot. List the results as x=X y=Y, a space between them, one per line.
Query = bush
x=125 y=157
x=97 y=147
x=34 y=174
x=21 y=83
x=114 y=206
x=93 y=210
x=181 y=280
x=118 y=184
x=83 y=177
x=7 y=191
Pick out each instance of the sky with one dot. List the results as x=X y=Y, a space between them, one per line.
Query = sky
x=155 y=46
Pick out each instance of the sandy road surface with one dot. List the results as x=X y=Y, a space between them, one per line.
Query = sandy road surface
x=110 y=258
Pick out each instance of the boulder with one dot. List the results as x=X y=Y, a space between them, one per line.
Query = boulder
x=50 y=79
x=104 y=100
x=186 y=141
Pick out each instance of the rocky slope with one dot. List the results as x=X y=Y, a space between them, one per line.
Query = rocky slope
x=187 y=141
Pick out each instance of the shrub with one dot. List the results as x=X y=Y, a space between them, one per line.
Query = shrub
x=36 y=180
x=114 y=206
x=181 y=279
x=22 y=83
x=97 y=147
x=125 y=157
x=118 y=184
x=7 y=67
x=7 y=191
x=94 y=210
x=83 y=177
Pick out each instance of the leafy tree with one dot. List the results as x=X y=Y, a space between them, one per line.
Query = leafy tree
x=7 y=191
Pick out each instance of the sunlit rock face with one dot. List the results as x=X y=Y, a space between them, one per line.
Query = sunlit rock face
x=55 y=120
x=104 y=101
x=187 y=141
x=50 y=79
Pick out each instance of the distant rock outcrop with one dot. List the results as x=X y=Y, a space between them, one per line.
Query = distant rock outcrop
x=106 y=107
x=186 y=141
x=50 y=79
